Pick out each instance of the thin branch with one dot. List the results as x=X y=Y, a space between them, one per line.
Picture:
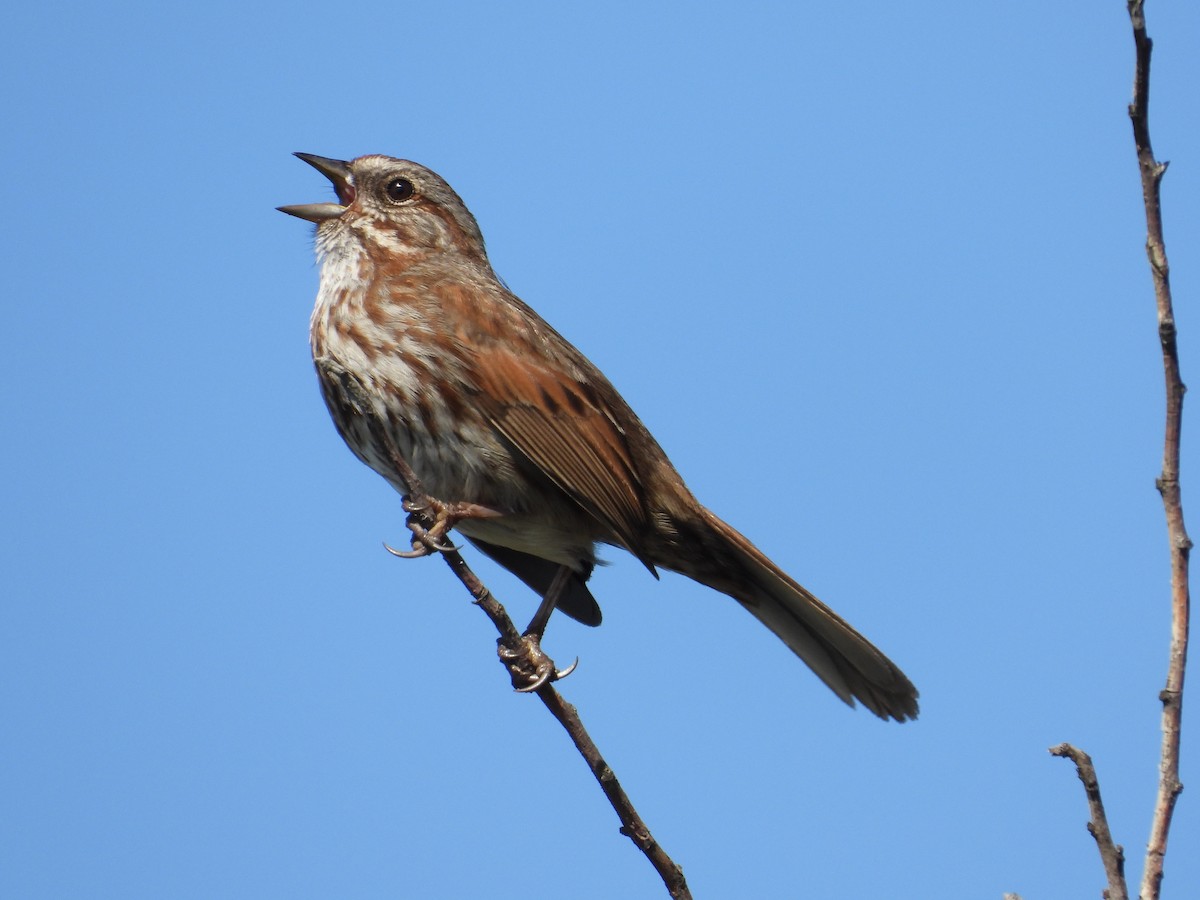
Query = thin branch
x=521 y=655
x=1111 y=854
x=632 y=825
x=1169 y=786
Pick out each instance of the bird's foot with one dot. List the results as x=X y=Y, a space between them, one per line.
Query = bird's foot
x=431 y=520
x=528 y=664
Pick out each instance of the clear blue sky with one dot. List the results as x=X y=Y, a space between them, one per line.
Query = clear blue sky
x=872 y=273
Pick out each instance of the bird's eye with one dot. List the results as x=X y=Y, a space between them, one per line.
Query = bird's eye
x=399 y=189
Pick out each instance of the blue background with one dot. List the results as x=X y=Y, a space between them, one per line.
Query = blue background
x=872 y=273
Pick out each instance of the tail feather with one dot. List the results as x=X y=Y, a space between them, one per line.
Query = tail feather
x=841 y=657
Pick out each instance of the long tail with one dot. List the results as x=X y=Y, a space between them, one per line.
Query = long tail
x=845 y=660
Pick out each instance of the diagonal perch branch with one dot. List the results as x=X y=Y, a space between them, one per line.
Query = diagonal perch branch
x=511 y=639
x=1112 y=855
x=632 y=825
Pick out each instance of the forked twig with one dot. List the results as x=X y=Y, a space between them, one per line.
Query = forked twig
x=1169 y=786
x=419 y=504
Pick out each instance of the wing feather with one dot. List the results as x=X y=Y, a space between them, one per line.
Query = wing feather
x=565 y=430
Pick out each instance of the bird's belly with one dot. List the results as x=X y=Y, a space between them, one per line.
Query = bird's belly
x=530 y=513
x=458 y=457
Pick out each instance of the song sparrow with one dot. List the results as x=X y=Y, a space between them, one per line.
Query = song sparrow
x=421 y=349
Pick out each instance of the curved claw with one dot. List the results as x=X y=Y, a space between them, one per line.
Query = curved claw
x=422 y=546
x=430 y=537
x=409 y=506
x=505 y=652
x=415 y=553
x=544 y=676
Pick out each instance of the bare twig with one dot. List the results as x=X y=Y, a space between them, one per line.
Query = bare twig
x=1111 y=854
x=1169 y=785
x=1152 y=172
x=632 y=825
x=518 y=647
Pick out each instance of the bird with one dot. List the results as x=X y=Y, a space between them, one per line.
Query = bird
x=429 y=364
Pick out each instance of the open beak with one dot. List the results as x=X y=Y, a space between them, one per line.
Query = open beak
x=337 y=172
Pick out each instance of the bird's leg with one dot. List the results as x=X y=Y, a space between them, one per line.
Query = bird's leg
x=443 y=516
x=537 y=625
x=527 y=663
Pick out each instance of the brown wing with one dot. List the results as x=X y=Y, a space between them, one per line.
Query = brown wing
x=565 y=429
